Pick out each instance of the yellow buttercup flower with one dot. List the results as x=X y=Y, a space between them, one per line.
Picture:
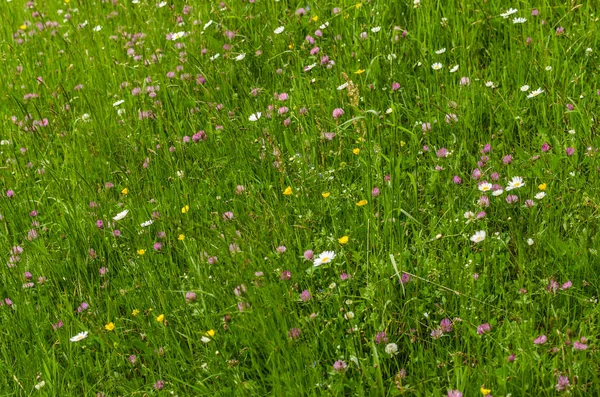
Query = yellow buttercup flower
x=315 y=18
x=23 y=27
x=542 y=186
x=141 y=251
x=160 y=318
x=402 y=143
x=135 y=312
x=185 y=209
x=356 y=150
x=125 y=191
x=484 y=391
x=210 y=333
x=110 y=326
x=359 y=71
x=288 y=191
x=325 y=194
x=343 y=240
x=291 y=46
x=361 y=203
x=181 y=237
x=358 y=5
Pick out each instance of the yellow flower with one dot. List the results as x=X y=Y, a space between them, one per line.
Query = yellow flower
x=343 y=240
x=402 y=143
x=210 y=333
x=325 y=194
x=185 y=209
x=23 y=27
x=358 y=5
x=361 y=203
x=485 y=392
x=141 y=251
x=110 y=326
x=356 y=150
x=125 y=191
x=291 y=46
x=359 y=71
x=160 y=318
x=135 y=312
x=67 y=1
x=288 y=191
x=315 y=18
x=542 y=186
x=181 y=237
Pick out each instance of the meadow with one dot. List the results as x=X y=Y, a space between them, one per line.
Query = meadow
x=283 y=198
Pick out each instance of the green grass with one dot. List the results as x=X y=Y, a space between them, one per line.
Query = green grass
x=415 y=225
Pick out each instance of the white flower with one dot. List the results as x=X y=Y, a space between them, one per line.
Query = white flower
x=497 y=193
x=548 y=68
x=519 y=20
x=161 y=4
x=279 y=30
x=588 y=51
x=240 y=57
x=84 y=23
x=120 y=112
x=38 y=386
x=135 y=1
x=342 y=87
x=540 y=195
x=324 y=26
x=436 y=66
x=469 y=214
x=97 y=28
x=478 y=236
x=441 y=51
x=207 y=24
x=454 y=69
x=79 y=336
x=215 y=57
x=147 y=223
x=530 y=241
x=324 y=257
x=205 y=339
x=119 y=102
x=120 y=215
x=177 y=35
x=509 y=13
x=376 y=29
x=535 y=93
x=255 y=116
x=349 y=316
x=515 y=183
x=484 y=187
x=417 y=3
x=389 y=110
x=524 y=88
x=572 y=132
x=391 y=349
x=490 y=84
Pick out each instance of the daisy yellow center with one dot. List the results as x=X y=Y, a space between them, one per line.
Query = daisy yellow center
x=325 y=259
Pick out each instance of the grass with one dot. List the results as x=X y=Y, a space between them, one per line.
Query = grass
x=98 y=109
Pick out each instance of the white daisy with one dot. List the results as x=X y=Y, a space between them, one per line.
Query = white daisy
x=205 y=339
x=97 y=28
x=519 y=20
x=497 y=193
x=478 y=236
x=177 y=35
x=436 y=66
x=376 y=29
x=548 y=68
x=309 y=67
x=441 y=51
x=207 y=24
x=119 y=102
x=120 y=215
x=255 y=116
x=524 y=87
x=530 y=241
x=490 y=84
x=509 y=13
x=147 y=223
x=240 y=57
x=215 y=57
x=540 y=195
x=279 y=30
x=515 y=183
x=535 y=93
x=485 y=187
x=454 y=69
x=80 y=336
x=342 y=87
x=161 y=4
x=324 y=257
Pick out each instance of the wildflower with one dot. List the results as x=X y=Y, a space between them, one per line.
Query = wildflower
x=485 y=391
x=135 y=312
x=141 y=251
x=288 y=191
x=325 y=194
x=484 y=186
x=381 y=337
x=210 y=332
x=454 y=393
x=359 y=71
x=159 y=385
x=362 y=203
x=160 y=318
x=519 y=20
x=566 y=285
x=579 y=346
x=483 y=328
x=185 y=209
x=511 y=199
x=337 y=113
x=308 y=255
x=391 y=349
x=340 y=366
x=255 y=116
x=125 y=191
x=343 y=240
x=294 y=333
x=436 y=66
x=570 y=151
x=120 y=215
x=446 y=325
x=181 y=237
x=305 y=295
x=110 y=326
x=540 y=340
x=530 y=241
x=279 y=30
x=508 y=13
x=79 y=337
x=324 y=257
x=563 y=383
x=535 y=93
x=478 y=236
x=285 y=275
x=515 y=183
